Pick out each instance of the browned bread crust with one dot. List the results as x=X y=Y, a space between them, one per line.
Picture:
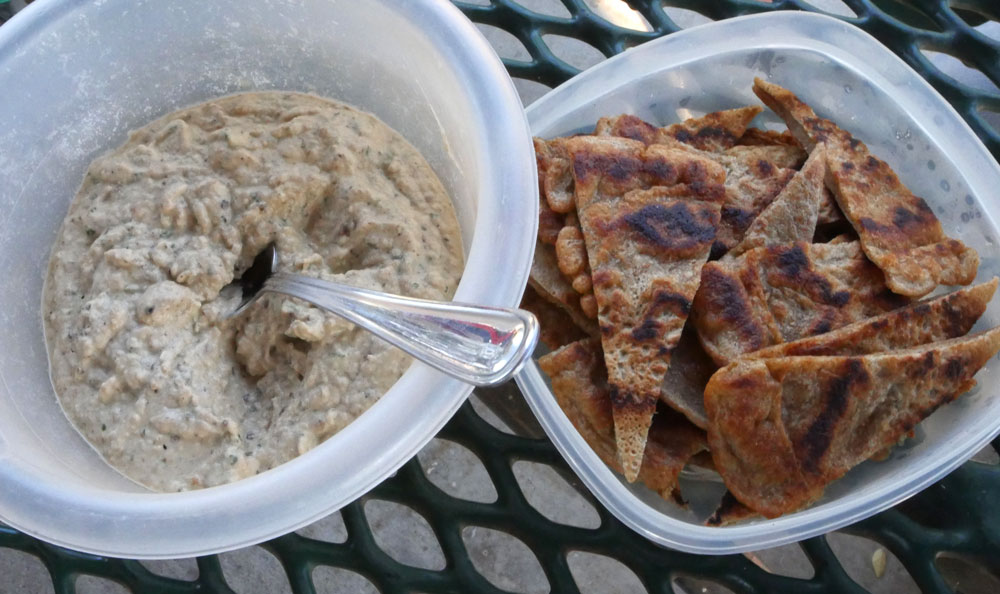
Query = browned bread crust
x=579 y=383
x=777 y=294
x=898 y=230
x=781 y=429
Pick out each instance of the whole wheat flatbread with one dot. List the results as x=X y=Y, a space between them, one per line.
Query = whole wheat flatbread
x=759 y=137
x=555 y=326
x=712 y=132
x=689 y=372
x=607 y=167
x=921 y=322
x=752 y=182
x=646 y=251
x=781 y=429
x=792 y=215
x=555 y=179
x=777 y=294
x=898 y=231
x=546 y=279
x=579 y=383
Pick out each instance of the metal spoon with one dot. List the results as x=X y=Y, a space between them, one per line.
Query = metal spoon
x=477 y=344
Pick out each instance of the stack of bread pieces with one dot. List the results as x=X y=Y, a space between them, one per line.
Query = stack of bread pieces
x=746 y=300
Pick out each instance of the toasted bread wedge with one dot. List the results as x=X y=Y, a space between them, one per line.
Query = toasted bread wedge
x=646 y=251
x=777 y=294
x=555 y=179
x=606 y=168
x=782 y=429
x=556 y=327
x=689 y=372
x=945 y=317
x=898 y=231
x=921 y=322
x=752 y=182
x=712 y=132
x=579 y=383
x=546 y=279
x=780 y=155
x=792 y=215
x=759 y=137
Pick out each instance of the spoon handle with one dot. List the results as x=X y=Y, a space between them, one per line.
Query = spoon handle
x=480 y=345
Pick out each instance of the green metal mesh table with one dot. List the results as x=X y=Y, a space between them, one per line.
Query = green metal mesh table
x=947 y=538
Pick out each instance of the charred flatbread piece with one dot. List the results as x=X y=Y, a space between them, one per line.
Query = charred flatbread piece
x=921 y=322
x=606 y=168
x=579 y=383
x=730 y=511
x=760 y=137
x=945 y=317
x=752 y=182
x=555 y=180
x=546 y=279
x=780 y=155
x=792 y=215
x=556 y=327
x=712 y=132
x=689 y=372
x=646 y=251
x=898 y=230
x=777 y=294
x=781 y=429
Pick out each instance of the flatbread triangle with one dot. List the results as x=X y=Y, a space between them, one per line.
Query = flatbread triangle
x=898 y=231
x=781 y=429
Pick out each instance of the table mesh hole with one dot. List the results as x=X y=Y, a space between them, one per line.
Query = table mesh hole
x=855 y=555
x=597 y=574
x=504 y=560
x=992 y=116
x=788 y=560
x=329 y=529
x=91 y=584
x=619 y=13
x=907 y=12
x=960 y=72
x=966 y=576
x=990 y=29
x=404 y=535
x=684 y=17
x=483 y=411
x=683 y=584
x=549 y=493
x=552 y=8
x=25 y=570
x=529 y=90
x=334 y=580
x=975 y=14
x=506 y=44
x=987 y=455
x=454 y=469
x=574 y=52
x=253 y=569
x=178 y=569
x=834 y=7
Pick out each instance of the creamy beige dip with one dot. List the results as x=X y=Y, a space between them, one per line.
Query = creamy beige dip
x=141 y=359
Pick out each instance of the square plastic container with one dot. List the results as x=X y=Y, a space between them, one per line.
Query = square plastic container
x=849 y=77
x=76 y=77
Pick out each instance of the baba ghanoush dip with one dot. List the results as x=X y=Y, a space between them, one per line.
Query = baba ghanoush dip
x=143 y=362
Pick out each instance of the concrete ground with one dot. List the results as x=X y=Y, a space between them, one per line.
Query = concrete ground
x=506 y=562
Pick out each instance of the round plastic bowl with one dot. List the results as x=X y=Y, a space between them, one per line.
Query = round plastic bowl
x=78 y=76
